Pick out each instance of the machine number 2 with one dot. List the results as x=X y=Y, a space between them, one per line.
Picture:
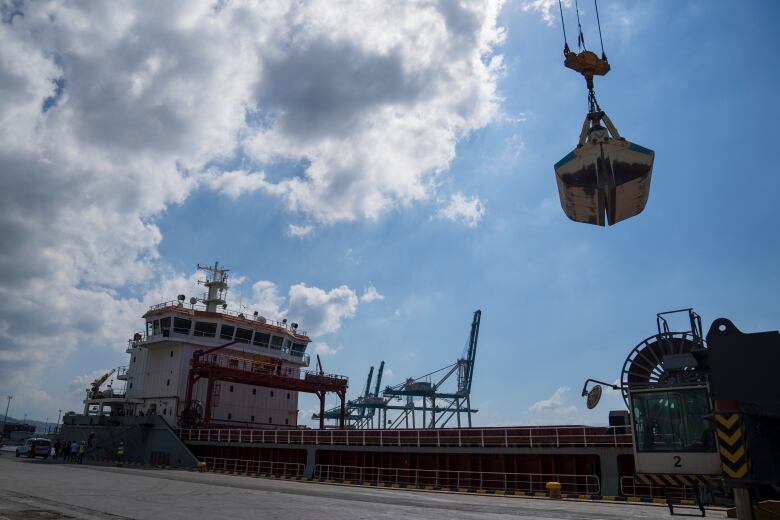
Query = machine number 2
x=677 y=461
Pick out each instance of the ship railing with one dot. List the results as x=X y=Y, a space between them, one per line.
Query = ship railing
x=177 y=305
x=121 y=373
x=631 y=488
x=524 y=437
x=487 y=480
x=249 y=365
x=253 y=467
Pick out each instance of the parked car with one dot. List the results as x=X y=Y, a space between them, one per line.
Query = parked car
x=35 y=447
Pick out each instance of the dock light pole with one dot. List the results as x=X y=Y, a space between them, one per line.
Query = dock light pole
x=5 y=417
x=59 y=414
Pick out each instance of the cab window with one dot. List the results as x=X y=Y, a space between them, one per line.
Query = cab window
x=673 y=420
x=181 y=325
x=243 y=335
x=205 y=329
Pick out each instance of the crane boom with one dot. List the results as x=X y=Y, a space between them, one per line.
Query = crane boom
x=472 y=353
x=368 y=382
x=379 y=378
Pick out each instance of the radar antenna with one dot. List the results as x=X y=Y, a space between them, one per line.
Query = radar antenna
x=216 y=283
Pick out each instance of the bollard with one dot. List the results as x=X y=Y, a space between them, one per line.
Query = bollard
x=554 y=488
x=201 y=467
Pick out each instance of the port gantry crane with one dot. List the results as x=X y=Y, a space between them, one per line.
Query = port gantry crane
x=360 y=412
x=438 y=407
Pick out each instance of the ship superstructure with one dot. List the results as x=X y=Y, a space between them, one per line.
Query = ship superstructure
x=177 y=333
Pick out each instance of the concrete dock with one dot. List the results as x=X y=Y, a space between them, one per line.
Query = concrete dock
x=37 y=489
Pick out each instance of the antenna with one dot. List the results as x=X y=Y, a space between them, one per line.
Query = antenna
x=216 y=283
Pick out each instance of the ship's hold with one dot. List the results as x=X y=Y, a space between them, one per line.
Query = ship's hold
x=604 y=175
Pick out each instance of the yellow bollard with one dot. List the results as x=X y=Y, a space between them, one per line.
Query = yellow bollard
x=554 y=488
x=201 y=466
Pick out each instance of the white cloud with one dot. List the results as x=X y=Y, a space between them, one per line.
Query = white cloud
x=320 y=311
x=548 y=9
x=316 y=310
x=322 y=348
x=554 y=404
x=266 y=300
x=461 y=209
x=109 y=114
x=299 y=231
x=370 y=294
x=80 y=383
x=372 y=97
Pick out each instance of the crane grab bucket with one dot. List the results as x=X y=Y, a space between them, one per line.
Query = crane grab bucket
x=604 y=175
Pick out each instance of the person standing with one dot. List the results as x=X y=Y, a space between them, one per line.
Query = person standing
x=120 y=453
x=82 y=451
x=57 y=447
x=74 y=449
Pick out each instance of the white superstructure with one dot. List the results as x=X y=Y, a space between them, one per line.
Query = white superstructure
x=156 y=376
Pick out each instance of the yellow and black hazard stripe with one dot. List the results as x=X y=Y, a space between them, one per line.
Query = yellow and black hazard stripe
x=670 y=479
x=732 y=445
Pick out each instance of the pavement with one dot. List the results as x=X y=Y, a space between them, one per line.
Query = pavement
x=38 y=489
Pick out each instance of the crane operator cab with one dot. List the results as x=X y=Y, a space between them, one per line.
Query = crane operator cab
x=673 y=432
x=605 y=178
x=705 y=413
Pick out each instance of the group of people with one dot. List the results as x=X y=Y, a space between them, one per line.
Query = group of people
x=73 y=451
x=70 y=451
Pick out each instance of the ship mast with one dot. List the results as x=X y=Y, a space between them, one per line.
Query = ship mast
x=216 y=282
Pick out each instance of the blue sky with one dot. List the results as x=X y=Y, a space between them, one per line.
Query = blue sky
x=561 y=301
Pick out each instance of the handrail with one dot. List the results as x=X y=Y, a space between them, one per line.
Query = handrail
x=631 y=488
x=534 y=437
x=494 y=480
x=248 y=365
x=286 y=354
x=255 y=467
x=179 y=306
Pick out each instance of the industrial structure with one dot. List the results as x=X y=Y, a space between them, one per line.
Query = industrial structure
x=704 y=413
x=424 y=401
x=201 y=364
x=701 y=415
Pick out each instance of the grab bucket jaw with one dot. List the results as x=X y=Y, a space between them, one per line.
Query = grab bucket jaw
x=604 y=176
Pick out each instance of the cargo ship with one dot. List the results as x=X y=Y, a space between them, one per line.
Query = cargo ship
x=218 y=388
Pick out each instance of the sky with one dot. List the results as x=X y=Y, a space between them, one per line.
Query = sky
x=378 y=171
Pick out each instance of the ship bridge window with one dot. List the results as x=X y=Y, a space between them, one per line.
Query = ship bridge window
x=181 y=325
x=165 y=326
x=673 y=421
x=149 y=329
x=276 y=342
x=298 y=349
x=243 y=335
x=261 y=339
x=205 y=329
x=226 y=332
x=156 y=327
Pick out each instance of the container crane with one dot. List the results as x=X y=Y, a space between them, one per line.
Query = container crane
x=360 y=412
x=453 y=403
